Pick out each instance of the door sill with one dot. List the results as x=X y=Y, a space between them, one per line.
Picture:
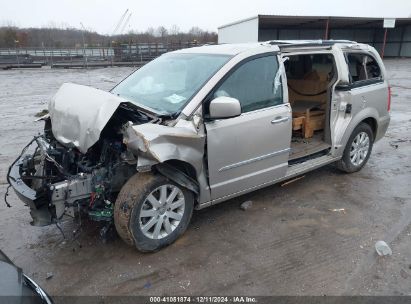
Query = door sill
x=313 y=155
x=313 y=162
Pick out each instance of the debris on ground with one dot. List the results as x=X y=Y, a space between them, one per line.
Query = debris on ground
x=292 y=180
x=395 y=143
x=49 y=275
x=184 y=284
x=338 y=210
x=106 y=79
x=41 y=113
x=392 y=144
x=246 y=205
x=404 y=274
x=382 y=248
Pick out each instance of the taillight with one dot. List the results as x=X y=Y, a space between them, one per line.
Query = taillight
x=389 y=99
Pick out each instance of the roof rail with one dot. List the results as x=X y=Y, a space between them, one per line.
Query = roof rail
x=291 y=43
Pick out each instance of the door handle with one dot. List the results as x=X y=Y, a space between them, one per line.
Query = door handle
x=279 y=120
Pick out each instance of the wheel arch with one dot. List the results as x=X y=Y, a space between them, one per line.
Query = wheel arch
x=372 y=122
x=368 y=116
x=181 y=172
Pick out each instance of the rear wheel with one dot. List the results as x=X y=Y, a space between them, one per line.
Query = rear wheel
x=357 y=150
x=152 y=211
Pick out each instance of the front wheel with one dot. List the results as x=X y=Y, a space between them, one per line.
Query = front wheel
x=152 y=211
x=358 y=149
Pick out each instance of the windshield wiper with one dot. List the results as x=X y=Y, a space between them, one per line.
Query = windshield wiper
x=136 y=109
x=150 y=112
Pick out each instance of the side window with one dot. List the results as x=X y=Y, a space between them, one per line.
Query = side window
x=372 y=68
x=254 y=84
x=363 y=67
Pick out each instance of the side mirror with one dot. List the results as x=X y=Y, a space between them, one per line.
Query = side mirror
x=224 y=107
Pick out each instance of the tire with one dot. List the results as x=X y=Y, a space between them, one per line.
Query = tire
x=141 y=204
x=360 y=144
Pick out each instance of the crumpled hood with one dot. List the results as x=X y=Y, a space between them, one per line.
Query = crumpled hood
x=79 y=113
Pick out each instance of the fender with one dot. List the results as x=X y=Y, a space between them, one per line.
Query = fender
x=178 y=176
x=153 y=143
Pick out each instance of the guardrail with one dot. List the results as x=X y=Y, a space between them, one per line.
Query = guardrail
x=133 y=52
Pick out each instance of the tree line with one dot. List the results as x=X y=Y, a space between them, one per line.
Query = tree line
x=12 y=37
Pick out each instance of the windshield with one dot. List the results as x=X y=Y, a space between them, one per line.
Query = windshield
x=167 y=83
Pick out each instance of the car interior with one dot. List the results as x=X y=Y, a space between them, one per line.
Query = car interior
x=362 y=67
x=309 y=79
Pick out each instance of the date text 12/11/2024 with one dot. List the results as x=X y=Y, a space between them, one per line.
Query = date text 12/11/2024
x=204 y=299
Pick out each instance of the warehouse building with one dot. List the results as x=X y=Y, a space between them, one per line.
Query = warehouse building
x=390 y=36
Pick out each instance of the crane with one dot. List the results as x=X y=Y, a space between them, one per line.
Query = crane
x=115 y=31
x=125 y=24
x=119 y=23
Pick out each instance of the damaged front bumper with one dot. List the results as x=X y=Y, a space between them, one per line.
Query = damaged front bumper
x=48 y=201
x=30 y=197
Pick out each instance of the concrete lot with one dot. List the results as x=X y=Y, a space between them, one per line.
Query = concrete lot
x=288 y=243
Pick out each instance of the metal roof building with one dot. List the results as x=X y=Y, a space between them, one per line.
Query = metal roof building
x=392 y=42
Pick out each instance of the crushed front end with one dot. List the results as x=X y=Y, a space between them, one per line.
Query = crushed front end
x=80 y=162
x=93 y=142
x=54 y=180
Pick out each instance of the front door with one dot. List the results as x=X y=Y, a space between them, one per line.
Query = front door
x=252 y=149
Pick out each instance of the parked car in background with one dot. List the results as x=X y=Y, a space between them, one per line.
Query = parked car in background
x=16 y=287
x=199 y=126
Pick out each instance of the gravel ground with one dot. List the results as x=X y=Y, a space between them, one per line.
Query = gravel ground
x=288 y=242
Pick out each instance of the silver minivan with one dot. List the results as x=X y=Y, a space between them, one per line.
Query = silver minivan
x=199 y=126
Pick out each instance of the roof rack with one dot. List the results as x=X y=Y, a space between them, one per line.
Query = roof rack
x=293 y=43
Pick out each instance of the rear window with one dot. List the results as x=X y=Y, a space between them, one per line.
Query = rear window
x=363 y=68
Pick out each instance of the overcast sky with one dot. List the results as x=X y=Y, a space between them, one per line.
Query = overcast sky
x=103 y=15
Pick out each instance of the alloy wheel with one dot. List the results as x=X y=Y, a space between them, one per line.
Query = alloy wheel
x=359 y=148
x=162 y=211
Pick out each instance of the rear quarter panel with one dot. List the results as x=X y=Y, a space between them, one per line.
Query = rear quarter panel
x=368 y=101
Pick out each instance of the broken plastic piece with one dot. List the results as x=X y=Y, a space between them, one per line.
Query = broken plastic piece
x=292 y=180
x=338 y=210
x=246 y=205
x=382 y=248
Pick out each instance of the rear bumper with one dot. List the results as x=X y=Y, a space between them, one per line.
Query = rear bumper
x=383 y=123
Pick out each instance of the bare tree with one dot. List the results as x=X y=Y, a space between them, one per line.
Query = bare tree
x=174 y=30
x=9 y=37
x=162 y=32
x=195 y=31
x=150 y=31
x=65 y=36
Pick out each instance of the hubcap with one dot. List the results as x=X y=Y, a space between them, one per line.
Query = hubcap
x=359 y=148
x=162 y=211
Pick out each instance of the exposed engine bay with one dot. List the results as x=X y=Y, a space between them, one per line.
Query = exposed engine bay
x=93 y=143
x=69 y=182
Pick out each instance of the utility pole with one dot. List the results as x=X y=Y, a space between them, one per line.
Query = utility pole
x=17 y=54
x=84 y=50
